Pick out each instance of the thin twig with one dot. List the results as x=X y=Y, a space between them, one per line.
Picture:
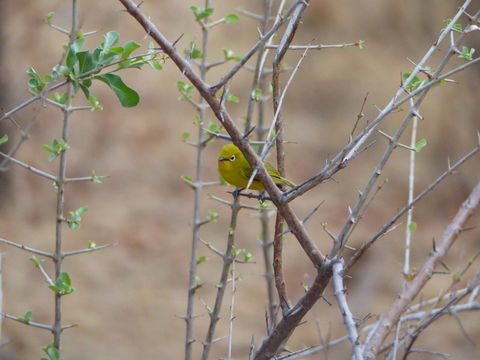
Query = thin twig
x=27 y=248
x=391 y=317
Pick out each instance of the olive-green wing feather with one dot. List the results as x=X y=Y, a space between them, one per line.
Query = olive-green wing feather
x=277 y=179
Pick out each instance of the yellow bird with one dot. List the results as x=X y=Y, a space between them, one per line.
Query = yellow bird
x=236 y=170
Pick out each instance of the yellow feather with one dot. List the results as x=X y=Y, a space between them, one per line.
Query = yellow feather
x=236 y=170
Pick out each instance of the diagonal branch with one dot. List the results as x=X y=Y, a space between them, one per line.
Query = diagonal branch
x=224 y=117
x=391 y=317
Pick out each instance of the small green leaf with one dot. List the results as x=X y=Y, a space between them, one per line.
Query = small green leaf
x=189 y=181
x=97 y=179
x=197 y=281
x=3 y=139
x=76 y=217
x=235 y=251
x=201 y=13
x=36 y=261
x=60 y=98
x=412 y=226
x=457 y=27
x=257 y=95
x=228 y=54
x=154 y=64
x=185 y=135
x=127 y=96
x=110 y=39
x=233 y=98
x=25 y=318
x=414 y=84
x=91 y=244
x=212 y=216
x=57 y=147
x=420 y=144
x=49 y=17
x=94 y=103
x=193 y=52
x=466 y=53
x=247 y=255
x=213 y=127
x=35 y=83
x=185 y=89
x=63 y=285
x=52 y=352
x=201 y=259
x=239 y=277
x=232 y=18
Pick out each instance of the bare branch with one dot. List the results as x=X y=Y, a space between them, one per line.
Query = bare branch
x=449 y=236
x=27 y=248
x=339 y=293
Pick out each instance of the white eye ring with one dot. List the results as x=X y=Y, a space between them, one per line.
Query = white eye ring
x=232 y=158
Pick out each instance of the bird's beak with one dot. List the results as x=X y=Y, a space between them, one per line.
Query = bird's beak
x=221 y=158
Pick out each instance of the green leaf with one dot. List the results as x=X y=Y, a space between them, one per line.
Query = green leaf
x=85 y=62
x=414 y=84
x=128 y=48
x=193 y=52
x=233 y=98
x=232 y=18
x=466 y=53
x=3 y=139
x=412 y=226
x=420 y=144
x=457 y=27
x=91 y=245
x=201 y=259
x=60 y=98
x=63 y=285
x=239 y=277
x=95 y=104
x=36 y=261
x=154 y=64
x=127 y=96
x=257 y=95
x=189 y=181
x=52 y=352
x=73 y=50
x=35 y=83
x=185 y=89
x=235 y=251
x=212 y=216
x=185 y=135
x=25 y=318
x=201 y=13
x=110 y=39
x=57 y=147
x=97 y=179
x=76 y=217
x=49 y=17
x=213 y=127
x=228 y=54
x=247 y=255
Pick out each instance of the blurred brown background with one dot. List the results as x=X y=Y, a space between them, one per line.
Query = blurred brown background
x=129 y=298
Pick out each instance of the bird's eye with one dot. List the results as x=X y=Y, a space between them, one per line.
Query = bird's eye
x=232 y=158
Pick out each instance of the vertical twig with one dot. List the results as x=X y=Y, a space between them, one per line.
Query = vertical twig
x=277 y=103
x=196 y=222
x=347 y=316
x=58 y=254
x=228 y=258
x=411 y=184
